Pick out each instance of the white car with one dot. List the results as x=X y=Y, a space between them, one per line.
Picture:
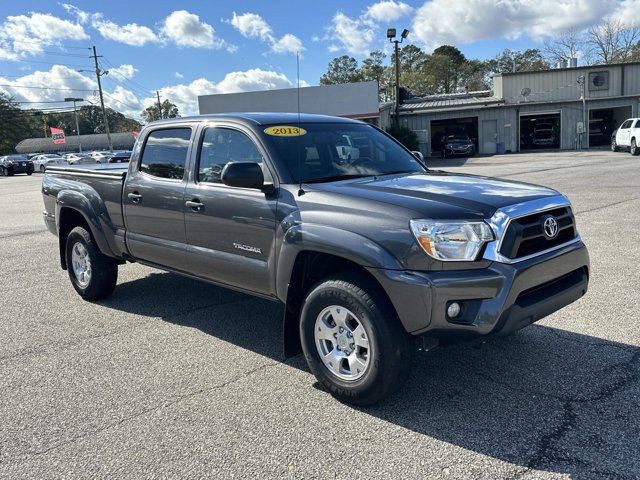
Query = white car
x=627 y=136
x=42 y=161
x=101 y=157
x=79 y=158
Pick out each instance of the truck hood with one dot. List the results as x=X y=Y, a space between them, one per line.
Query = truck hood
x=441 y=194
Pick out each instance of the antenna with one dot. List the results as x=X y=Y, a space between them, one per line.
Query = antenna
x=300 y=190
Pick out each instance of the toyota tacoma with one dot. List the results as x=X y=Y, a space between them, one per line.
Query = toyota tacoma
x=372 y=253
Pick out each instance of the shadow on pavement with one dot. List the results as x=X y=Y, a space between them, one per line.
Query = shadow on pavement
x=544 y=398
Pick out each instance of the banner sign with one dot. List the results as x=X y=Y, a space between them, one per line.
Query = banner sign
x=58 y=136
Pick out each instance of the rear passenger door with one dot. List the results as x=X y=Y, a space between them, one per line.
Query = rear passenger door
x=623 y=138
x=153 y=198
x=231 y=230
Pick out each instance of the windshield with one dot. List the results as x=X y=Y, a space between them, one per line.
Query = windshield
x=333 y=151
x=457 y=138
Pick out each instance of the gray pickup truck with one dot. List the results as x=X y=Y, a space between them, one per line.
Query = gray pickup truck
x=371 y=253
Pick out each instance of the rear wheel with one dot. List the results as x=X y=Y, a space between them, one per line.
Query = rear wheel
x=3 y=171
x=42 y=168
x=92 y=274
x=29 y=173
x=614 y=145
x=353 y=341
x=634 y=148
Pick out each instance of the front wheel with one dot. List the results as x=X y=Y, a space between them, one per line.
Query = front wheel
x=29 y=173
x=42 y=168
x=353 y=341
x=614 y=145
x=3 y=171
x=93 y=274
x=634 y=148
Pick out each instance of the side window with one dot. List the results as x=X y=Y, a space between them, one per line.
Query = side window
x=221 y=146
x=626 y=124
x=165 y=153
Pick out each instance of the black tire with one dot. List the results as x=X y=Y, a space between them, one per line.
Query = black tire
x=104 y=270
x=29 y=173
x=391 y=348
x=42 y=168
x=3 y=171
x=635 y=151
x=614 y=145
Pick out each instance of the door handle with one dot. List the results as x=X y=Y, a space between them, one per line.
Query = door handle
x=135 y=197
x=195 y=205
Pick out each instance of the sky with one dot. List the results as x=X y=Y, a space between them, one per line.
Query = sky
x=190 y=48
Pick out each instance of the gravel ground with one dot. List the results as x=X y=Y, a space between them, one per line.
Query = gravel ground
x=174 y=378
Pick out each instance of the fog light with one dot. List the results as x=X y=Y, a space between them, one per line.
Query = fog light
x=453 y=310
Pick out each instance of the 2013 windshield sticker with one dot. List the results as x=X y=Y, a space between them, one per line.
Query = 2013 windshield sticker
x=285 y=131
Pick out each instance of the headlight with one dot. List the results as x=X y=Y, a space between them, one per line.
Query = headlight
x=451 y=240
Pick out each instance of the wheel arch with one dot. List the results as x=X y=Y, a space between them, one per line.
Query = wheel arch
x=309 y=268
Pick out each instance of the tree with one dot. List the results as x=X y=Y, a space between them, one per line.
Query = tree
x=373 y=68
x=569 y=44
x=405 y=136
x=15 y=125
x=529 y=60
x=168 y=110
x=613 y=41
x=446 y=64
x=342 y=69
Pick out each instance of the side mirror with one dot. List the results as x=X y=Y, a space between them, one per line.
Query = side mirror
x=419 y=156
x=243 y=174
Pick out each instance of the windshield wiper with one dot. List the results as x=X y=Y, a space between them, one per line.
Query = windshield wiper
x=335 y=178
x=395 y=172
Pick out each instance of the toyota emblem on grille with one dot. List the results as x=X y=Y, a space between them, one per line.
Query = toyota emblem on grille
x=550 y=228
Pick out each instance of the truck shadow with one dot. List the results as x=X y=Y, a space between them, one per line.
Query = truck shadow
x=544 y=398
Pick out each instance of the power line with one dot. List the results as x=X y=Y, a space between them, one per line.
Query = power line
x=50 y=88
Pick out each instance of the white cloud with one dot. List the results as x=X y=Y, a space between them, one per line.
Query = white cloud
x=185 y=96
x=626 y=12
x=126 y=71
x=252 y=25
x=24 y=35
x=440 y=22
x=130 y=34
x=186 y=30
x=388 y=10
x=353 y=35
x=178 y=75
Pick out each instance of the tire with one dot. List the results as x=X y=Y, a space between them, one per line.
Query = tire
x=29 y=173
x=102 y=272
x=614 y=145
x=3 y=171
x=383 y=349
x=42 y=169
x=635 y=151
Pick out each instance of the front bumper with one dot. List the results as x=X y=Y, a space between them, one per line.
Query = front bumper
x=499 y=299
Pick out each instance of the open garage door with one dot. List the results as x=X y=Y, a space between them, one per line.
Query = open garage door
x=540 y=131
x=603 y=122
x=452 y=126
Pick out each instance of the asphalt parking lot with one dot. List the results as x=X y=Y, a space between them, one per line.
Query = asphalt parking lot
x=170 y=377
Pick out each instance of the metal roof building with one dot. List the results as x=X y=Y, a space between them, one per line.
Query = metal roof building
x=121 y=141
x=564 y=108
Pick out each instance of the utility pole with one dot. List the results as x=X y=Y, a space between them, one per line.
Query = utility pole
x=99 y=73
x=74 y=100
x=159 y=105
x=583 y=94
x=391 y=35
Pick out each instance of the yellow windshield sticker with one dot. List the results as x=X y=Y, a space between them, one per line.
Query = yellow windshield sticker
x=285 y=131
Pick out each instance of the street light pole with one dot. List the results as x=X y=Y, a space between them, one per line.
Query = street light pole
x=391 y=35
x=74 y=100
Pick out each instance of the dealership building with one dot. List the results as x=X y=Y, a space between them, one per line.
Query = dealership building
x=562 y=109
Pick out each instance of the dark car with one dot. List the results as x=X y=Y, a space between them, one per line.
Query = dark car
x=458 y=144
x=371 y=253
x=12 y=164
x=120 y=157
x=544 y=135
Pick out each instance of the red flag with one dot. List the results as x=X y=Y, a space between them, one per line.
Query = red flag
x=58 y=136
x=136 y=133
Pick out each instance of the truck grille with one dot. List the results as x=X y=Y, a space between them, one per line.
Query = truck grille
x=525 y=235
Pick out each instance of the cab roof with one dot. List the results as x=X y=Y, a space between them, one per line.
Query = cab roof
x=261 y=118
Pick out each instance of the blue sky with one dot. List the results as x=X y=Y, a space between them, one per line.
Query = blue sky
x=192 y=47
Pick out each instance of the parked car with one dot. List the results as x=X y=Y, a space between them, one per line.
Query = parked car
x=627 y=136
x=543 y=135
x=120 y=157
x=13 y=164
x=371 y=257
x=42 y=161
x=101 y=156
x=79 y=158
x=458 y=144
